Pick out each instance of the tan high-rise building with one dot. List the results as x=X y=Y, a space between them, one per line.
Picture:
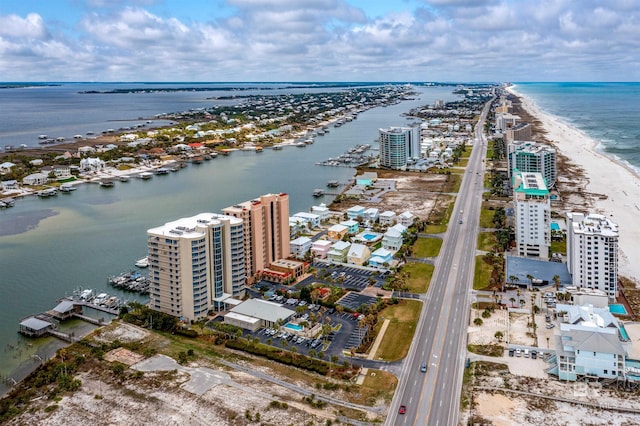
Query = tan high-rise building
x=195 y=264
x=266 y=231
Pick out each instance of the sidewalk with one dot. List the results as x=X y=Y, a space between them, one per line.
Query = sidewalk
x=376 y=344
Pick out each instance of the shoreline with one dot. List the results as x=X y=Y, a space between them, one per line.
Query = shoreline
x=614 y=188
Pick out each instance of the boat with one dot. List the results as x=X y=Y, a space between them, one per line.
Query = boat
x=196 y=160
x=77 y=136
x=100 y=299
x=124 y=178
x=8 y=202
x=60 y=139
x=301 y=144
x=107 y=183
x=142 y=263
x=161 y=171
x=318 y=192
x=308 y=141
x=90 y=133
x=43 y=137
x=86 y=295
x=145 y=175
x=258 y=149
x=65 y=187
x=47 y=193
x=333 y=184
x=277 y=147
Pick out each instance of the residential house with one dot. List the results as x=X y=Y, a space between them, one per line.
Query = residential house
x=355 y=212
x=371 y=215
x=387 y=218
x=6 y=167
x=91 y=164
x=311 y=218
x=9 y=185
x=322 y=210
x=300 y=246
x=352 y=226
x=60 y=171
x=358 y=254
x=297 y=225
x=339 y=252
x=406 y=219
x=35 y=179
x=392 y=239
x=337 y=232
x=320 y=248
x=381 y=258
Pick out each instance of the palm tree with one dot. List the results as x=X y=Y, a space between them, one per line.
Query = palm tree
x=512 y=300
x=530 y=278
x=556 y=281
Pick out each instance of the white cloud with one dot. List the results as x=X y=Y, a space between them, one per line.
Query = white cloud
x=31 y=27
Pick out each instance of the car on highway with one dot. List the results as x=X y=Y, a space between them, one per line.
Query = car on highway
x=423 y=367
x=403 y=409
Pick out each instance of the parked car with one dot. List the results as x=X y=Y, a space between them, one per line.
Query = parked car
x=534 y=354
x=511 y=351
x=518 y=351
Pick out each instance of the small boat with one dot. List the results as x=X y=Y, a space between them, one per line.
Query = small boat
x=124 y=178
x=196 y=160
x=8 y=202
x=107 y=183
x=60 y=139
x=142 y=263
x=162 y=171
x=86 y=295
x=77 y=136
x=43 y=137
x=308 y=141
x=65 y=187
x=277 y=147
x=318 y=192
x=301 y=144
x=47 y=193
x=333 y=184
x=145 y=175
x=258 y=149
x=90 y=133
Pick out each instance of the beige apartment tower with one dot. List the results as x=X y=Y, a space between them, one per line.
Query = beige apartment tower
x=266 y=231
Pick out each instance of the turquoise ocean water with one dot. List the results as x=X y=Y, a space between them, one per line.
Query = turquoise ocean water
x=608 y=112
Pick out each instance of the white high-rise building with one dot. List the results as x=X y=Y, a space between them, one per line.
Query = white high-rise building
x=592 y=252
x=398 y=145
x=533 y=215
x=195 y=263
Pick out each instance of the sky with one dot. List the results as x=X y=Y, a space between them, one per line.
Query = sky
x=320 y=40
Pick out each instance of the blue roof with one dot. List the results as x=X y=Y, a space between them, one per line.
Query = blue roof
x=539 y=269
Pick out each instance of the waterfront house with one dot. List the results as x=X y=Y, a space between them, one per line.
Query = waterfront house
x=300 y=246
x=60 y=171
x=6 y=167
x=91 y=164
x=339 y=252
x=83 y=150
x=381 y=258
x=35 y=179
x=297 y=225
x=337 y=232
x=355 y=212
x=312 y=219
x=352 y=226
x=65 y=310
x=34 y=327
x=9 y=185
x=36 y=162
x=321 y=248
x=406 y=219
x=358 y=254
x=387 y=218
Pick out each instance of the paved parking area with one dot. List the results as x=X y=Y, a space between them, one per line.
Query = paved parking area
x=353 y=300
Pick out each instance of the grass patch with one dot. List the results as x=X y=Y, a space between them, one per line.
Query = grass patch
x=486 y=218
x=463 y=162
x=454 y=180
x=488 y=350
x=559 y=247
x=419 y=276
x=397 y=339
x=378 y=384
x=486 y=241
x=436 y=229
x=482 y=274
x=426 y=247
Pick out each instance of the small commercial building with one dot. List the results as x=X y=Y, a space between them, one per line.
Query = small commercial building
x=253 y=314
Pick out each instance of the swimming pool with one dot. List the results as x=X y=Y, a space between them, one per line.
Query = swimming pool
x=292 y=326
x=369 y=237
x=623 y=333
x=617 y=308
x=555 y=226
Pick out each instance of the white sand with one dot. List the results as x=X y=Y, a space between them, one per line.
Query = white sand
x=619 y=182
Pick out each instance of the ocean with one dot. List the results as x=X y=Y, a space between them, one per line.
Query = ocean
x=608 y=112
x=51 y=247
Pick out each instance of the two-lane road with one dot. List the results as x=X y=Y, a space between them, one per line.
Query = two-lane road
x=440 y=340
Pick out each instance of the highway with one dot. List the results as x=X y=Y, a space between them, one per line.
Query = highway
x=433 y=397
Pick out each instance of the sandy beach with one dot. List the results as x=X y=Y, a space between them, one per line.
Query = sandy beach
x=617 y=184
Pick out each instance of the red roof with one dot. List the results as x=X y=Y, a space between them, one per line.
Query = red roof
x=196 y=145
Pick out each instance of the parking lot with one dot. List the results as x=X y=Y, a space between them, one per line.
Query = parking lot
x=354 y=300
x=350 y=277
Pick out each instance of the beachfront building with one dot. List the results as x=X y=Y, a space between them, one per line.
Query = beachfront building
x=533 y=215
x=399 y=146
x=59 y=171
x=387 y=218
x=339 y=251
x=300 y=246
x=9 y=185
x=91 y=164
x=381 y=258
x=505 y=121
x=592 y=252
x=195 y=264
x=321 y=248
x=520 y=132
x=392 y=239
x=371 y=215
x=358 y=254
x=337 y=232
x=297 y=225
x=591 y=343
x=527 y=156
x=266 y=236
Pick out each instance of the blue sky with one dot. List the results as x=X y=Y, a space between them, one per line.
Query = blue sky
x=319 y=40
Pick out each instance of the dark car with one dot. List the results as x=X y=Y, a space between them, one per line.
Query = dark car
x=534 y=354
x=423 y=367
x=403 y=409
